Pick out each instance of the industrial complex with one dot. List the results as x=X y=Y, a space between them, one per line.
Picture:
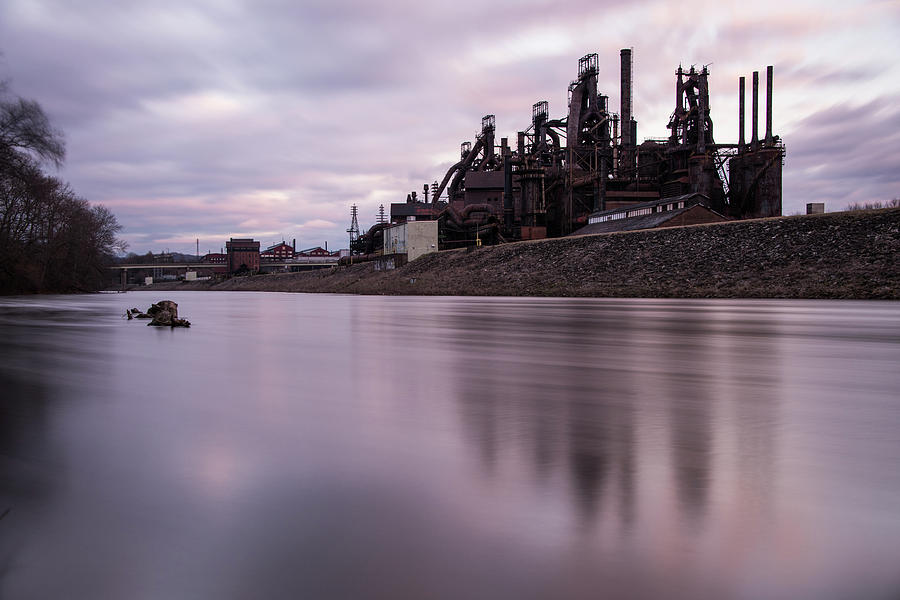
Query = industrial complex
x=586 y=172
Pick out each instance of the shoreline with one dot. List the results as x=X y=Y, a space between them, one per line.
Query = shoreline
x=847 y=255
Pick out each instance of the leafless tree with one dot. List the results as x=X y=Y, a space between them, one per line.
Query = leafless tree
x=892 y=203
x=50 y=238
x=26 y=134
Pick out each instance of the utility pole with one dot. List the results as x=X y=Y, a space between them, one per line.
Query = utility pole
x=354 y=229
x=381 y=217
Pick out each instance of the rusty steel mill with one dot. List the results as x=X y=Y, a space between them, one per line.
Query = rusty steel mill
x=559 y=171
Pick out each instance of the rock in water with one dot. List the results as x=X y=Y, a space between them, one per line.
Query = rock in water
x=166 y=305
x=161 y=318
x=165 y=314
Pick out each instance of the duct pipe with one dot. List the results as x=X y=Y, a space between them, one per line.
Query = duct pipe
x=769 y=105
x=754 y=134
x=446 y=180
x=508 y=209
x=553 y=136
x=461 y=172
x=462 y=166
x=741 y=113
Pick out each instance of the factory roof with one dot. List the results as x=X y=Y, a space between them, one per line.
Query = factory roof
x=414 y=209
x=686 y=199
x=689 y=209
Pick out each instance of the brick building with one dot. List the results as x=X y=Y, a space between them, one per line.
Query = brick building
x=216 y=258
x=243 y=255
x=317 y=251
x=278 y=252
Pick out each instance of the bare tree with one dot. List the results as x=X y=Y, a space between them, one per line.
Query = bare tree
x=50 y=238
x=26 y=134
x=892 y=203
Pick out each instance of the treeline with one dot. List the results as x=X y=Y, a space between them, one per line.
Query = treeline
x=51 y=239
x=892 y=203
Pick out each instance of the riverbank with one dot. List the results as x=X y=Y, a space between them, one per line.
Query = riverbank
x=835 y=255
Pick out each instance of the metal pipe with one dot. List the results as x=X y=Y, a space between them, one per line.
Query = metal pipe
x=754 y=139
x=769 y=139
x=703 y=111
x=625 y=97
x=741 y=141
x=679 y=89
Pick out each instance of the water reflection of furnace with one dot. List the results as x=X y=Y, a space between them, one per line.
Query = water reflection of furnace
x=568 y=387
x=539 y=385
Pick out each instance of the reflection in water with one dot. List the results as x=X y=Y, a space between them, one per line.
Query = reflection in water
x=337 y=446
x=688 y=358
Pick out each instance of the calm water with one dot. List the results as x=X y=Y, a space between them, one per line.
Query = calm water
x=305 y=446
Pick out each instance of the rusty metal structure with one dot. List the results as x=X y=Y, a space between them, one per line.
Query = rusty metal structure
x=561 y=170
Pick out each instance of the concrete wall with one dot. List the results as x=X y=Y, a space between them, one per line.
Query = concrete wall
x=413 y=238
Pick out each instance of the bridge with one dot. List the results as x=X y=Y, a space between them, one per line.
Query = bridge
x=303 y=263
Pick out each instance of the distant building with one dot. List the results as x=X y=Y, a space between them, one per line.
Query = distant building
x=243 y=255
x=218 y=262
x=413 y=238
x=690 y=209
x=279 y=252
x=401 y=212
x=216 y=258
x=317 y=251
x=815 y=208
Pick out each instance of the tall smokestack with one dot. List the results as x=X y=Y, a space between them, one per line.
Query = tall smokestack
x=769 y=139
x=741 y=113
x=754 y=139
x=625 y=98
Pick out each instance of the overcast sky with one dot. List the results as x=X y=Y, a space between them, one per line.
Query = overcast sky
x=269 y=119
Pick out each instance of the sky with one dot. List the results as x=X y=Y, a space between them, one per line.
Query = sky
x=268 y=119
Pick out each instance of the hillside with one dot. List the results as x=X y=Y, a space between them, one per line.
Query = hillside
x=836 y=255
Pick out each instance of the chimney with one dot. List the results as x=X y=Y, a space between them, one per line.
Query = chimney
x=754 y=139
x=625 y=98
x=769 y=139
x=294 y=245
x=741 y=113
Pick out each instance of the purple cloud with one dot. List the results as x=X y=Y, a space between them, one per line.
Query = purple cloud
x=208 y=119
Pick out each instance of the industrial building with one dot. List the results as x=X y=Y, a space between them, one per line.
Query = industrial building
x=563 y=174
x=412 y=238
x=243 y=255
x=690 y=209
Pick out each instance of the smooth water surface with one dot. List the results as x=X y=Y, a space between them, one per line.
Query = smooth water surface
x=318 y=446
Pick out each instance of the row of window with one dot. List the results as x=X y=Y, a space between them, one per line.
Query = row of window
x=626 y=214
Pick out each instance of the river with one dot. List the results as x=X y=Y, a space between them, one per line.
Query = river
x=318 y=446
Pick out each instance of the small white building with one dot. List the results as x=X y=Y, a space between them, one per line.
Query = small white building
x=413 y=238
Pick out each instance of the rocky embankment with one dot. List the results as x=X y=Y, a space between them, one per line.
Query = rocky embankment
x=836 y=255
